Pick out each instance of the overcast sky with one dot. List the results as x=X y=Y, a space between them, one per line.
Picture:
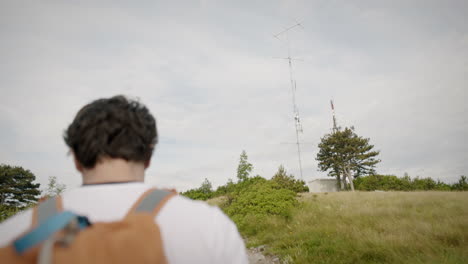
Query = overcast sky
x=397 y=71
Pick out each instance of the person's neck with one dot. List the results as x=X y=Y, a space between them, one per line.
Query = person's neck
x=114 y=170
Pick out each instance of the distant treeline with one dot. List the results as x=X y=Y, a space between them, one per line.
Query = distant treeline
x=406 y=183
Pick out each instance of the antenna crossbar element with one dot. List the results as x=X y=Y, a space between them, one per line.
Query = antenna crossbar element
x=287 y=29
x=297 y=120
x=292 y=59
x=290 y=143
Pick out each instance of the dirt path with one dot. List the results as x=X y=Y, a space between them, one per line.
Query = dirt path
x=256 y=256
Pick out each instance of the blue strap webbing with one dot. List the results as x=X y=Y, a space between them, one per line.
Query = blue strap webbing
x=47 y=229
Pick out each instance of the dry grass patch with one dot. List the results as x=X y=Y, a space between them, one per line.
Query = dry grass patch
x=217 y=201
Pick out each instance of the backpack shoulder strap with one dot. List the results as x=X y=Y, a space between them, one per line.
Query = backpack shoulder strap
x=151 y=201
x=45 y=209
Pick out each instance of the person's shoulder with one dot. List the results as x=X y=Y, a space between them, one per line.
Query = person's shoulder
x=199 y=217
x=182 y=206
x=196 y=215
x=194 y=231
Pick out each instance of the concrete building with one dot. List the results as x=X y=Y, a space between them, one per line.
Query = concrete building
x=323 y=185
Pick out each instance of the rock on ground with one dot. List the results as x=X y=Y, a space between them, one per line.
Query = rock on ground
x=256 y=256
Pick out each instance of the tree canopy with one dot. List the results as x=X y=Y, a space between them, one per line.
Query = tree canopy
x=206 y=186
x=345 y=154
x=17 y=187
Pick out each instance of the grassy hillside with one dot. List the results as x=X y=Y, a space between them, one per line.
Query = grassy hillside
x=368 y=227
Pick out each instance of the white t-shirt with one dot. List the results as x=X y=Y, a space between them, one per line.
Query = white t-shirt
x=191 y=231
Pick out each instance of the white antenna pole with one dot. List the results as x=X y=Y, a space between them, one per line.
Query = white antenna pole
x=297 y=121
x=335 y=128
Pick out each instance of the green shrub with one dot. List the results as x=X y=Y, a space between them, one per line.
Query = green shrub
x=204 y=192
x=424 y=184
x=368 y=183
x=6 y=212
x=197 y=194
x=383 y=182
x=259 y=201
x=9 y=211
x=441 y=186
x=461 y=185
x=288 y=181
x=281 y=180
x=231 y=188
x=394 y=183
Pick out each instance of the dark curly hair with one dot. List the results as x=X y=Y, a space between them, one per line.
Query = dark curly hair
x=116 y=127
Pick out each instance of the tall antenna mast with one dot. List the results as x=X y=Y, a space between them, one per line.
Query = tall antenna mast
x=335 y=128
x=297 y=120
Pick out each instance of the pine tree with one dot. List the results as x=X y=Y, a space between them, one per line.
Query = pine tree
x=206 y=186
x=287 y=181
x=16 y=187
x=245 y=168
x=344 y=153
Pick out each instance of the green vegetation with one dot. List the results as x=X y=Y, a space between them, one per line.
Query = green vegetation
x=281 y=180
x=18 y=192
x=393 y=183
x=7 y=211
x=346 y=227
x=245 y=168
x=286 y=181
x=253 y=199
x=16 y=187
x=349 y=227
x=367 y=227
x=257 y=202
x=344 y=154
x=203 y=193
x=54 y=188
x=461 y=185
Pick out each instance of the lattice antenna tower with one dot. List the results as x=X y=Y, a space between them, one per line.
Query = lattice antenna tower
x=297 y=120
x=335 y=127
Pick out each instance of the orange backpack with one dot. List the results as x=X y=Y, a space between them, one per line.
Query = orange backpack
x=59 y=236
